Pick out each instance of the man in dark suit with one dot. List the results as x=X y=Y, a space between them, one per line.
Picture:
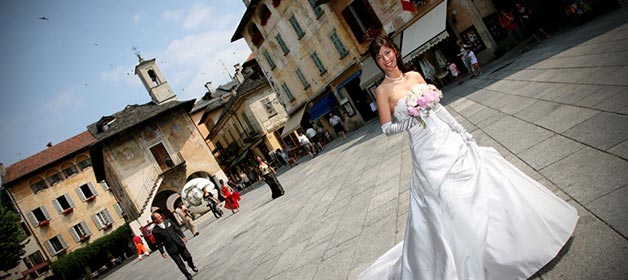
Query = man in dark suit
x=167 y=234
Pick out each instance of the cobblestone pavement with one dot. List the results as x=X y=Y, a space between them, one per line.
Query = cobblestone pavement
x=558 y=112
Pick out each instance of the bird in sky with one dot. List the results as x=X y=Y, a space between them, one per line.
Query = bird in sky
x=43 y=18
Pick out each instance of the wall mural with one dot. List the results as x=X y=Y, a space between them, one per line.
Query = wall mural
x=127 y=153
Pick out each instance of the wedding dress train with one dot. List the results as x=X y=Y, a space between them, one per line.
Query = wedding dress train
x=472 y=214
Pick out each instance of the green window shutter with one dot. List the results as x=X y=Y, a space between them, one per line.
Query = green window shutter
x=305 y=83
x=288 y=92
x=270 y=61
x=282 y=44
x=297 y=27
x=318 y=63
x=340 y=47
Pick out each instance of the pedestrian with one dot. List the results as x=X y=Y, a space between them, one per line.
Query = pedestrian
x=231 y=197
x=289 y=159
x=212 y=203
x=169 y=235
x=475 y=65
x=529 y=22
x=507 y=22
x=184 y=217
x=315 y=137
x=270 y=176
x=139 y=245
x=472 y=214
x=244 y=178
x=306 y=144
x=336 y=123
x=464 y=56
x=453 y=69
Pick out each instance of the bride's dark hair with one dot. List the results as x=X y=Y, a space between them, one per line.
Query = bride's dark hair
x=384 y=41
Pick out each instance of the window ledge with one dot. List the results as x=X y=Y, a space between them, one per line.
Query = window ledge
x=107 y=226
x=90 y=198
x=44 y=223
x=67 y=211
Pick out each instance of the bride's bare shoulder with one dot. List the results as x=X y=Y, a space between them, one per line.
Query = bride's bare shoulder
x=416 y=76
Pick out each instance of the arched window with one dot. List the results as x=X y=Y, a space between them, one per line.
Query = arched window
x=264 y=14
x=256 y=35
x=69 y=169
x=153 y=77
x=38 y=184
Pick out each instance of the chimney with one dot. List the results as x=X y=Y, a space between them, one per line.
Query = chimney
x=49 y=144
x=209 y=88
x=238 y=73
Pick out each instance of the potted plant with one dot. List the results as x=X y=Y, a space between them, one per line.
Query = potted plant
x=85 y=237
x=44 y=223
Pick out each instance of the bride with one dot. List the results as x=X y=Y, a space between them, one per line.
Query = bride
x=472 y=214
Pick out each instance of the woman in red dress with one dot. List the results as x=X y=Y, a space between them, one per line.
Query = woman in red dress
x=231 y=197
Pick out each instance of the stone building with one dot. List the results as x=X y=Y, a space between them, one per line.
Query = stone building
x=62 y=204
x=146 y=153
x=249 y=124
x=308 y=58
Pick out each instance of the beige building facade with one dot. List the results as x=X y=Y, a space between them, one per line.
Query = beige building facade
x=63 y=206
x=248 y=126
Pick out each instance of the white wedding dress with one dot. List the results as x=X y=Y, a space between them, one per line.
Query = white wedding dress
x=472 y=215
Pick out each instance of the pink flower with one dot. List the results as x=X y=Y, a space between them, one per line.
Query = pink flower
x=413 y=111
x=421 y=101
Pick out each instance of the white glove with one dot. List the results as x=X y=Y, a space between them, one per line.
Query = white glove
x=390 y=128
x=444 y=115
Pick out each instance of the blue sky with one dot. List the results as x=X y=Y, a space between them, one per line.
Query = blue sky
x=64 y=73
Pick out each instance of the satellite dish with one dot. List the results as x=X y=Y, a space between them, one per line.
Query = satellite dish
x=193 y=191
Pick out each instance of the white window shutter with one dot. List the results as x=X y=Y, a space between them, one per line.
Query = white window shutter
x=85 y=227
x=33 y=219
x=57 y=206
x=43 y=209
x=108 y=216
x=81 y=194
x=91 y=187
x=65 y=245
x=97 y=222
x=104 y=185
x=69 y=199
x=49 y=247
x=75 y=234
x=118 y=209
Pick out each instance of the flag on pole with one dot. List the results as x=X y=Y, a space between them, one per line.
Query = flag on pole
x=407 y=5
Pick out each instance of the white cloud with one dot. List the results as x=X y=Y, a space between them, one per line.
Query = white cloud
x=120 y=74
x=137 y=17
x=197 y=15
x=171 y=15
x=196 y=59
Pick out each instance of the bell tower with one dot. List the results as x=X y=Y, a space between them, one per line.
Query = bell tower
x=153 y=80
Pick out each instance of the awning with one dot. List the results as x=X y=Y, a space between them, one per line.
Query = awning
x=425 y=32
x=370 y=73
x=323 y=106
x=293 y=122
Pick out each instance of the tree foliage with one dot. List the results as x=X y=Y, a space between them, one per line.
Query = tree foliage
x=11 y=239
x=78 y=263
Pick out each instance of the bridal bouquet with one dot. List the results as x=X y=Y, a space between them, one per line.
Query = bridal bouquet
x=421 y=99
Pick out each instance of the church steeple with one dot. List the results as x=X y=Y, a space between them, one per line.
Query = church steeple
x=153 y=80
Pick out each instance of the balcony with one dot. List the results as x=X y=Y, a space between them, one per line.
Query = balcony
x=107 y=226
x=85 y=237
x=67 y=211
x=44 y=223
x=39 y=268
